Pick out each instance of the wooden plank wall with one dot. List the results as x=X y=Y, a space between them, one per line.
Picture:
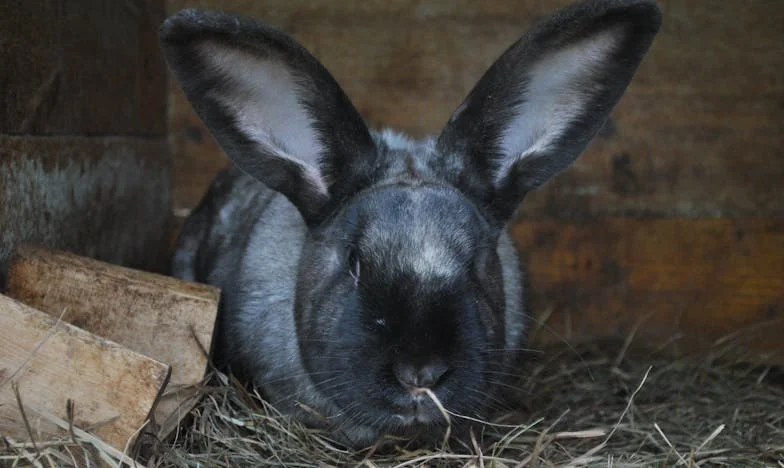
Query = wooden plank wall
x=672 y=223
x=84 y=161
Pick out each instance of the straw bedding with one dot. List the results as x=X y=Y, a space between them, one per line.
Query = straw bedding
x=592 y=405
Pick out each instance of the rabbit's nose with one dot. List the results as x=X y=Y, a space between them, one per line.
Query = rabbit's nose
x=425 y=376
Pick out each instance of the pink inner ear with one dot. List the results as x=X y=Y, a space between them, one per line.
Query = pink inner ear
x=310 y=172
x=560 y=86
x=264 y=99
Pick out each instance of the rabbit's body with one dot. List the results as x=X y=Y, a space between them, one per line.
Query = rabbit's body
x=363 y=273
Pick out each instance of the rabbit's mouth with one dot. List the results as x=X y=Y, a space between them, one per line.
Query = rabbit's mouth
x=422 y=410
x=413 y=419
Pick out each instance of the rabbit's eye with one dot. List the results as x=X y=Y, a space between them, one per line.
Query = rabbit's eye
x=353 y=265
x=376 y=324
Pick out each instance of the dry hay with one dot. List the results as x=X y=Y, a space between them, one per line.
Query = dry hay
x=594 y=405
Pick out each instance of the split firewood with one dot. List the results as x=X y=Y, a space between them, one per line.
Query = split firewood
x=161 y=317
x=51 y=370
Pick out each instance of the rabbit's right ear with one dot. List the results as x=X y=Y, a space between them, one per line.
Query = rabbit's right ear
x=272 y=107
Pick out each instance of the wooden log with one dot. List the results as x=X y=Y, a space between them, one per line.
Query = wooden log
x=162 y=317
x=699 y=284
x=51 y=362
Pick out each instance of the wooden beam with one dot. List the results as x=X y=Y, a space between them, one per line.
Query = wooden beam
x=50 y=362
x=108 y=198
x=89 y=67
x=167 y=319
x=701 y=282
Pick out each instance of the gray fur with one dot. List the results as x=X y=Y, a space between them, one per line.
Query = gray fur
x=240 y=215
x=345 y=255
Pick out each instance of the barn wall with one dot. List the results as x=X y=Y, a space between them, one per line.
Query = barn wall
x=671 y=224
x=84 y=161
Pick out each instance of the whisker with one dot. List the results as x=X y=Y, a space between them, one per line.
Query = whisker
x=345 y=410
x=568 y=345
x=501 y=350
x=509 y=386
x=507 y=374
x=294 y=375
x=495 y=403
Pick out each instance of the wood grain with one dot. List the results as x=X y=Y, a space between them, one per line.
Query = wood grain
x=89 y=67
x=701 y=283
x=165 y=318
x=697 y=134
x=50 y=362
x=102 y=197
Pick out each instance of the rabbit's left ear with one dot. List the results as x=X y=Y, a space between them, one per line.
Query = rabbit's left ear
x=539 y=105
x=272 y=107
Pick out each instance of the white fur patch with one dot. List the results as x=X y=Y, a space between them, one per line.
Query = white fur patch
x=424 y=249
x=559 y=88
x=433 y=260
x=395 y=139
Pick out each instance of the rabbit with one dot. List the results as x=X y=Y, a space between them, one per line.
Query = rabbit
x=364 y=274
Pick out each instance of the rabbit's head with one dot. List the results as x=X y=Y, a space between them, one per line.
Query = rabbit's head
x=400 y=285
